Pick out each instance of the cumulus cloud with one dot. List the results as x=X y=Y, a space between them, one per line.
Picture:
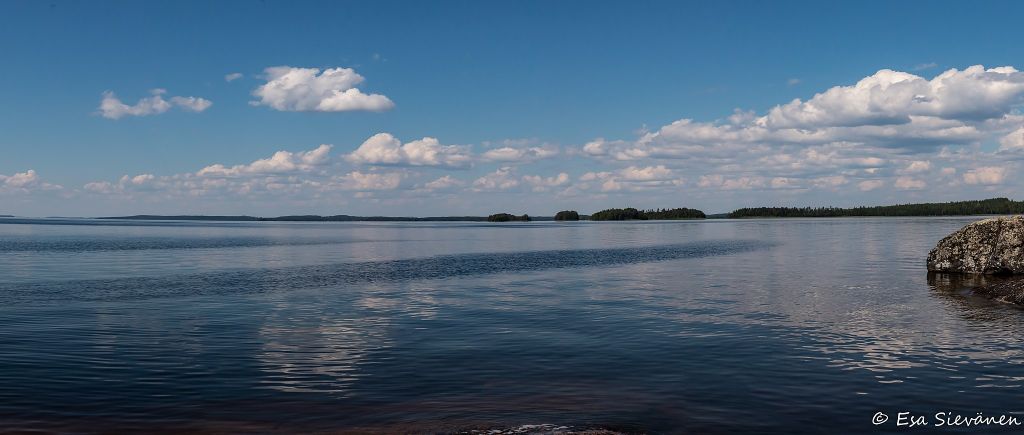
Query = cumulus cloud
x=892 y=97
x=887 y=125
x=519 y=155
x=632 y=178
x=24 y=182
x=192 y=104
x=543 y=184
x=888 y=131
x=299 y=175
x=233 y=76
x=909 y=183
x=987 y=175
x=888 y=109
x=597 y=147
x=721 y=182
x=869 y=185
x=1013 y=141
x=295 y=89
x=917 y=167
x=20 y=179
x=443 y=183
x=280 y=162
x=385 y=149
x=501 y=179
x=112 y=107
x=356 y=180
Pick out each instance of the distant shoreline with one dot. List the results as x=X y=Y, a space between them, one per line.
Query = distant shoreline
x=302 y=218
x=986 y=207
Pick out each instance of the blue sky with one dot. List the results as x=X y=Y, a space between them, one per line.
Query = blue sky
x=513 y=92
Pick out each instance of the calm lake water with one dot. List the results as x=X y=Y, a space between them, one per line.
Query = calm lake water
x=794 y=326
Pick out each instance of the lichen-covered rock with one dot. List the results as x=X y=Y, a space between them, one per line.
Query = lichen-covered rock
x=989 y=246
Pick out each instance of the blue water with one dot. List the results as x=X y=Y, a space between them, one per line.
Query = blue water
x=786 y=326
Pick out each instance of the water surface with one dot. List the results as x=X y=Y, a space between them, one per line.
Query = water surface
x=795 y=325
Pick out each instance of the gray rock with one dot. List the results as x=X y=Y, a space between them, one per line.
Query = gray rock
x=990 y=246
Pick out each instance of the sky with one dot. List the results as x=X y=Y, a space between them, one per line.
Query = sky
x=425 y=108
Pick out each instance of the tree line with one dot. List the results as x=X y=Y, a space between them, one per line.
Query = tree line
x=508 y=217
x=624 y=214
x=956 y=208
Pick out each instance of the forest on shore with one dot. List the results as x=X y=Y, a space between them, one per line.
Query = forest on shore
x=625 y=214
x=955 y=208
x=991 y=206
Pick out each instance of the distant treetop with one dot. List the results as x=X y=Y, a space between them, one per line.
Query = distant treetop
x=622 y=214
x=508 y=217
x=957 y=208
x=567 y=215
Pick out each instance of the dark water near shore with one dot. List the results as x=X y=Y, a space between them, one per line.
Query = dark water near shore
x=789 y=326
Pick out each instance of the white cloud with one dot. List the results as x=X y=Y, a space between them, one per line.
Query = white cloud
x=829 y=182
x=985 y=175
x=784 y=183
x=356 y=180
x=649 y=173
x=24 y=182
x=233 y=76
x=519 y=155
x=890 y=109
x=385 y=149
x=192 y=104
x=743 y=183
x=891 y=132
x=596 y=147
x=295 y=89
x=869 y=185
x=501 y=179
x=111 y=107
x=892 y=97
x=1012 y=141
x=632 y=178
x=280 y=162
x=20 y=179
x=909 y=183
x=917 y=167
x=443 y=183
x=793 y=82
x=542 y=184
x=888 y=125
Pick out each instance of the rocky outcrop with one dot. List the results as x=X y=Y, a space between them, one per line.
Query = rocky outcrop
x=990 y=246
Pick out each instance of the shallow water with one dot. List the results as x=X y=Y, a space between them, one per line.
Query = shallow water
x=796 y=326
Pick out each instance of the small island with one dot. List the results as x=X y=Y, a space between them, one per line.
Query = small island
x=625 y=214
x=508 y=217
x=567 y=215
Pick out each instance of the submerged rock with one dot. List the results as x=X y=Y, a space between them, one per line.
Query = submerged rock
x=1011 y=291
x=990 y=246
x=1000 y=288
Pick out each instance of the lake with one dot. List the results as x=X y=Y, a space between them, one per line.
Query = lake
x=717 y=326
